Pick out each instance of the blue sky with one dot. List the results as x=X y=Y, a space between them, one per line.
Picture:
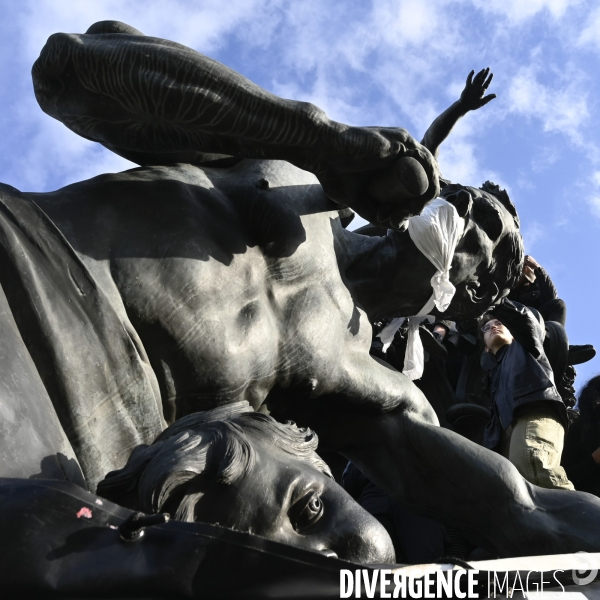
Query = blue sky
x=380 y=62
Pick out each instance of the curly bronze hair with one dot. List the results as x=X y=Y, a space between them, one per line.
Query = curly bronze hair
x=215 y=444
x=508 y=256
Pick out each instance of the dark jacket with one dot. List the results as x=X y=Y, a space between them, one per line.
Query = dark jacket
x=542 y=290
x=519 y=374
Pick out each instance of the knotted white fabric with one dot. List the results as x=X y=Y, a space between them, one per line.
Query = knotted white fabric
x=435 y=232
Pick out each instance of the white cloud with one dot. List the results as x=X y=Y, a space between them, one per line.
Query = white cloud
x=561 y=107
x=458 y=162
x=593 y=194
x=524 y=183
x=532 y=232
x=408 y=53
x=201 y=25
x=594 y=202
x=522 y=10
x=401 y=46
x=405 y=23
x=545 y=158
x=590 y=35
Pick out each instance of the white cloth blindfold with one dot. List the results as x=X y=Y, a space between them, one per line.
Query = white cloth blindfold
x=436 y=233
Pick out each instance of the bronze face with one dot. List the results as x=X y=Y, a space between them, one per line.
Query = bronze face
x=292 y=502
x=488 y=253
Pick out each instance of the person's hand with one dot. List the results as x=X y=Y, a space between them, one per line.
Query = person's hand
x=596 y=455
x=527 y=277
x=531 y=262
x=473 y=96
x=441 y=330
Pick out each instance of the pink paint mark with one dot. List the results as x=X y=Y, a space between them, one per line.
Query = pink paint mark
x=84 y=512
x=99 y=502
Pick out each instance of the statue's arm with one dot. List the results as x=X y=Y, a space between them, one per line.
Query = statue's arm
x=440 y=474
x=472 y=97
x=383 y=423
x=157 y=102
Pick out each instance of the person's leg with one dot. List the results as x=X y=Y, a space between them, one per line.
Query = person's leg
x=536 y=447
x=555 y=310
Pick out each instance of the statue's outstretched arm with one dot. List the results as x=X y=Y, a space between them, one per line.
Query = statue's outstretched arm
x=453 y=480
x=471 y=98
x=157 y=102
x=383 y=423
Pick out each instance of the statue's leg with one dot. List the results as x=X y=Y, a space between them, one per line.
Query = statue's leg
x=453 y=480
x=157 y=102
x=442 y=475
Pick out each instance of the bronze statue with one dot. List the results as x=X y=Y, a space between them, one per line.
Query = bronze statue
x=219 y=271
x=247 y=472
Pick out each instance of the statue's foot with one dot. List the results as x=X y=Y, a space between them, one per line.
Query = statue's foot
x=383 y=174
x=400 y=191
x=567 y=521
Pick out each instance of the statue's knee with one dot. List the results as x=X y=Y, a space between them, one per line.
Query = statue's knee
x=430 y=416
x=423 y=412
x=112 y=27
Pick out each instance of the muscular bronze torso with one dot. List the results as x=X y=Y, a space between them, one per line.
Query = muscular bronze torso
x=197 y=286
x=228 y=278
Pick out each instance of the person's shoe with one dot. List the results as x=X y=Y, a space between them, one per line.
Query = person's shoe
x=581 y=354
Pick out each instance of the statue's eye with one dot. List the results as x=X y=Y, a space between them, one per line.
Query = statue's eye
x=487 y=216
x=307 y=511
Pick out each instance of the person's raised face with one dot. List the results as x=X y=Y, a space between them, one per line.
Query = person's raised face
x=495 y=335
x=486 y=224
x=292 y=502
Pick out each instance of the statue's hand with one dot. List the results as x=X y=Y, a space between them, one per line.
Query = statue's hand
x=473 y=96
x=383 y=174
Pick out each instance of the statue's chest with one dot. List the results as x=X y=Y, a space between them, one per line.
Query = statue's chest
x=230 y=329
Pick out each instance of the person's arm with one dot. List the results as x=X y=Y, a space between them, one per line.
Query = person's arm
x=157 y=102
x=546 y=286
x=523 y=325
x=471 y=98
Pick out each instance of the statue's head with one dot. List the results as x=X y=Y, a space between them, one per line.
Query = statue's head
x=245 y=471
x=488 y=260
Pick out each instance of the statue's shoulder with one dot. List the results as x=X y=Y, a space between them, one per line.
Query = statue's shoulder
x=262 y=174
x=178 y=174
x=255 y=193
